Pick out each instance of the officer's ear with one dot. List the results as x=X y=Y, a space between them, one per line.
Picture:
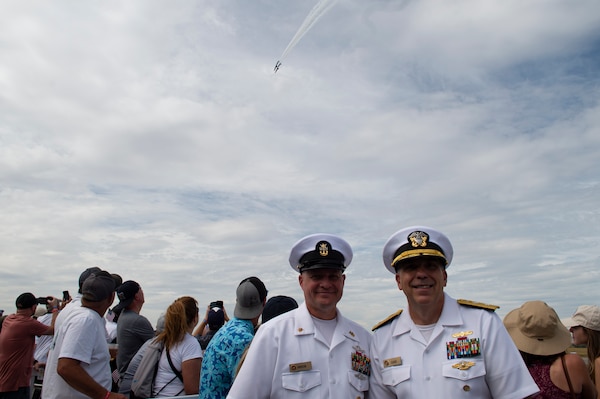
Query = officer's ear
x=398 y=280
x=445 y=277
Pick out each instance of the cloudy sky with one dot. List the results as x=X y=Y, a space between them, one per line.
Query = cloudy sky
x=153 y=139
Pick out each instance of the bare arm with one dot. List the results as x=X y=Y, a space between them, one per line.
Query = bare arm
x=580 y=376
x=190 y=370
x=200 y=329
x=72 y=372
x=50 y=329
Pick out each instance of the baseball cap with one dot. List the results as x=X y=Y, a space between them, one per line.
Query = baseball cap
x=26 y=300
x=320 y=251
x=215 y=318
x=85 y=274
x=278 y=305
x=587 y=316
x=98 y=286
x=416 y=241
x=160 y=324
x=250 y=296
x=126 y=293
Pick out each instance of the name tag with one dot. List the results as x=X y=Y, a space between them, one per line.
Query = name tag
x=394 y=361
x=304 y=366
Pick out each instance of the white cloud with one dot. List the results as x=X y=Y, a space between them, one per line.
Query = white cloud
x=156 y=142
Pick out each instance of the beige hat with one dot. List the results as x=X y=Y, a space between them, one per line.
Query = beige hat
x=40 y=311
x=536 y=329
x=587 y=316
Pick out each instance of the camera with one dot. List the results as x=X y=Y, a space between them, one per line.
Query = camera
x=216 y=304
x=44 y=300
x=66 y=296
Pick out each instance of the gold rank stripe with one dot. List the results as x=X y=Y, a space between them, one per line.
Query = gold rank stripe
x=386 y=320
x=480 y=305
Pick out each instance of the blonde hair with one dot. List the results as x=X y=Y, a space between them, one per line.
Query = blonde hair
x=593 y=349
x=179 y=316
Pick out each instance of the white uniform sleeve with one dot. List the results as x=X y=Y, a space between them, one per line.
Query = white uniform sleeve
x=377 y=390
x=255 y=378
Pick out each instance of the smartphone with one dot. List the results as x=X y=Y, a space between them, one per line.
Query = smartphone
x=216 y=304
x=66 y=296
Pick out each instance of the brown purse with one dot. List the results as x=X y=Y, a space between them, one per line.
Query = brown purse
x=564 y=364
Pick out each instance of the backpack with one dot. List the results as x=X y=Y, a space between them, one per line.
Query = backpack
x=143 y=379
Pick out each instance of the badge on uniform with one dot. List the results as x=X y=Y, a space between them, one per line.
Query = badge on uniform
x=463 y=346
x=391 y=362
x=463 y=365
x=304 y=366
x=361 y=362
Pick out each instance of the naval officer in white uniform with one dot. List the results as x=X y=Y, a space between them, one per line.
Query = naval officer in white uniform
x=313 y=351
x=440 y=347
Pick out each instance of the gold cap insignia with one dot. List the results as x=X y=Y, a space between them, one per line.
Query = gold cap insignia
x=418 y=239
x=324 y=248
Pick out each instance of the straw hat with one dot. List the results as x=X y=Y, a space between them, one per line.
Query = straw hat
x=536 y=329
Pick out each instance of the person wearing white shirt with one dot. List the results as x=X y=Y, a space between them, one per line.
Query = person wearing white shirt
x=440 y=347
x=312 y=351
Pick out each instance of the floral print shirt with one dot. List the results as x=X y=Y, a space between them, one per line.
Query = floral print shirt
x=222 y=356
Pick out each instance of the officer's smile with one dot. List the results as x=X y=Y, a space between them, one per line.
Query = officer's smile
x=423 y=286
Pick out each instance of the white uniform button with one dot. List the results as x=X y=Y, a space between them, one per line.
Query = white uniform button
x=427 y=378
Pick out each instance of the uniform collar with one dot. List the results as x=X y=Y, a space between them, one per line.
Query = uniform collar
x=450 y=316
x=304 y=325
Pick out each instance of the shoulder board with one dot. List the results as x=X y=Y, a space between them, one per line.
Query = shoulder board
x=387 y=320
x=479 y=305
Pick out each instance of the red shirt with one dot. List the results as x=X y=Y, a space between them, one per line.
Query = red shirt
x=17 y=341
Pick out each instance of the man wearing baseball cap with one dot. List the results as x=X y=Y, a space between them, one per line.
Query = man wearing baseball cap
x=78 y=365
x=227 y=346
x=313 y=350
x=440 y=347
x=17 y=343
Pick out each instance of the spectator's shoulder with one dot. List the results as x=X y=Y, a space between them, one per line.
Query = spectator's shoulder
x=387 y=320
x=478 y=305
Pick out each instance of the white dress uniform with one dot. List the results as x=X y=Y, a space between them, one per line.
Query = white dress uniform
x=289 y=358
x=486 y=365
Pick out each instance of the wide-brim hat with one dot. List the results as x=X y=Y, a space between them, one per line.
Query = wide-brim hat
x=416 y=241
x=587 y=316
x=40 y=311
x=535 y=328
x=320 y=251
